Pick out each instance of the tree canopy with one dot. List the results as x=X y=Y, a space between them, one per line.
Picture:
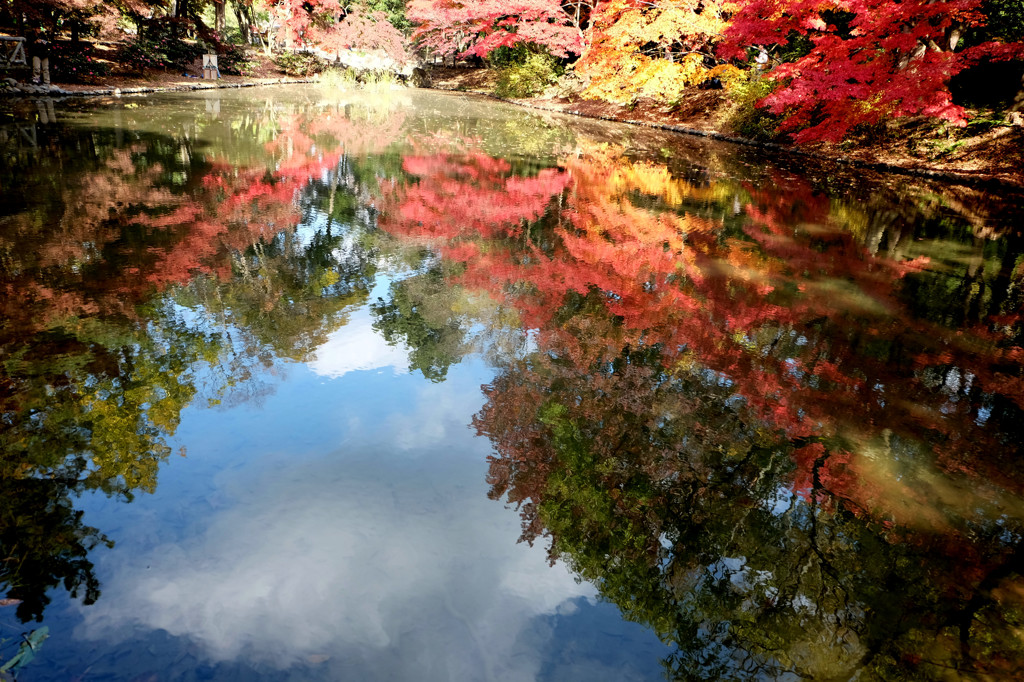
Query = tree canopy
x=827 y=67
x=822 y=69
x=863 y=60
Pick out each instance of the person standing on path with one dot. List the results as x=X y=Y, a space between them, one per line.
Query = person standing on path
x=39 y=50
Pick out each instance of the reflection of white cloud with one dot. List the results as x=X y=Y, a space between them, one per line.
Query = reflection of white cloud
x=356 y=346
x=404 y=570
x=439 y=413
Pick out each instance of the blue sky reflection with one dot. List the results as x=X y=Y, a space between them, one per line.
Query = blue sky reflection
x=346 y=534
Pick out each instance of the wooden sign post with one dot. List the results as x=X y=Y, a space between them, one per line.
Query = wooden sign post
x=210 y=70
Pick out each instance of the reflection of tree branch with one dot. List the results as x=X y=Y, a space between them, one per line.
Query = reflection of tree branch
x=753 y=485
x=982 y=596
x=825 y=567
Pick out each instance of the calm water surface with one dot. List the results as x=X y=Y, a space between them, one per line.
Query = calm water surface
x=308 y=385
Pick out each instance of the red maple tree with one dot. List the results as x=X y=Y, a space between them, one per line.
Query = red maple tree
x=333 y=26
x=868 y=60
x=453 y=27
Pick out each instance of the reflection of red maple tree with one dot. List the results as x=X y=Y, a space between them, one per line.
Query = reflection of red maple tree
x=223 y=208
x=498 y=204
x=804 y=324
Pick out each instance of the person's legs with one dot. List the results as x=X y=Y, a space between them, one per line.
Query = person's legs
x=46 y=70
x=36 y=65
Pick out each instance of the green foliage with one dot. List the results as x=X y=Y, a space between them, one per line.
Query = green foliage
x=139 y=55
x=984 y=122
x=393 y=9
x=532 y=77
x=301 y=64
x=419 y=315
x=799 y=46
x=237 y=60
x=161 y=46
x=1004 y=19
x=515 y=55
x=76 y=65
x=747 y=118
x=381 y=80
x=942 y=150
x=339 y=79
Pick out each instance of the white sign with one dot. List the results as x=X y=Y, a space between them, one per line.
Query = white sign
x=209 y=61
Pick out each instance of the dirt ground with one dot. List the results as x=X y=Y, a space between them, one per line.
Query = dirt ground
x=265 y=72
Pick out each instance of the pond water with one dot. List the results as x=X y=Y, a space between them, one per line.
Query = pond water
x=309 y=385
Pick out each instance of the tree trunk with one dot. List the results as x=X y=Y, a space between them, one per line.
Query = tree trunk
x=178 y=9
x=6 y=15
x=244 y=24
x=220 y=17
x=1018 y=101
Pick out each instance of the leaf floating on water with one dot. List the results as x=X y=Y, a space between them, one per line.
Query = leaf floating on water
x=37 y=636
x=27 y=652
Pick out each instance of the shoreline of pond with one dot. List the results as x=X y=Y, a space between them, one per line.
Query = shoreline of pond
x=997 y=164
x=981 y=180
x=987 y=177
x=57 y=92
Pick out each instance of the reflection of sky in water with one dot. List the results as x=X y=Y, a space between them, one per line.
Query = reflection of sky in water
x=355 y=347
x=331 y=520
x=340 y=530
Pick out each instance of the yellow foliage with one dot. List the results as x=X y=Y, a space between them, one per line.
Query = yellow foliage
x=640 y=76
x=728 y=74
x=621 y=64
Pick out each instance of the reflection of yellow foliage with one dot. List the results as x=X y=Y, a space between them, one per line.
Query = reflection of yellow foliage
x=852 y=218
x=326 y=279
x=650 y=179
x=129 y=423
x=626 y=194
